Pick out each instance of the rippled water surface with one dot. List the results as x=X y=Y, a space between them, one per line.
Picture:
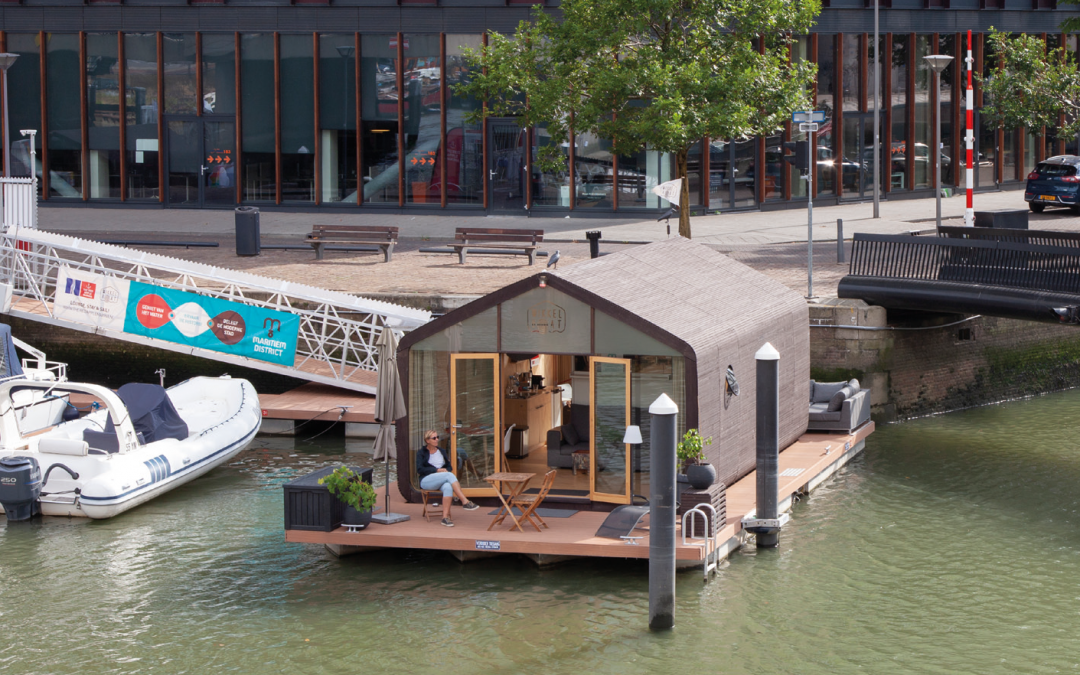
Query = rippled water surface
x=952 y=545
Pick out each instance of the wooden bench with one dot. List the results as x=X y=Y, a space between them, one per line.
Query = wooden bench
x=364 y=235
x=525 y=241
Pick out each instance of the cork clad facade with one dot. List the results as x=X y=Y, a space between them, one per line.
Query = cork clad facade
x=547 y=373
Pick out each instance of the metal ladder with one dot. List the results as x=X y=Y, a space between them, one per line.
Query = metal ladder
x=712 y=554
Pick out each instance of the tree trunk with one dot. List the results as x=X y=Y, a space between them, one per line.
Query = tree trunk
x=684 y=196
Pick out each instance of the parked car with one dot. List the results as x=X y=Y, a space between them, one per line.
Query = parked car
x=1054 y=182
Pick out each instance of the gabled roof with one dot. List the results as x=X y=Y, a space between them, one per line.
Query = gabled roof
x=682 y=293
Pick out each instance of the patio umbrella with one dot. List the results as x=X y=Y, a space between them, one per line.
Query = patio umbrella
x=389 y=406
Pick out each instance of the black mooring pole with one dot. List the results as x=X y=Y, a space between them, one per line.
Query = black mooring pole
x=663 y=412
x=594 y=243
x=768 y=441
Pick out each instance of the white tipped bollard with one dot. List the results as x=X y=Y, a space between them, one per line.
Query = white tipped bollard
x=662 y=442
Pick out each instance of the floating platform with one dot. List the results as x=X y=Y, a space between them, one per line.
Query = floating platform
x=313 y=401
x=803 y=466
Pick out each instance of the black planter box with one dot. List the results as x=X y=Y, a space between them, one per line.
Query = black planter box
x=1014 y=220
x=310 y=506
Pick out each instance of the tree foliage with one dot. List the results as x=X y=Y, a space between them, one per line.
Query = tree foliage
x=659 y=74
x=1031 y=86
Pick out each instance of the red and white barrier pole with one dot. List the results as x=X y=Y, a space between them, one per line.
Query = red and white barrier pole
x=969 y=214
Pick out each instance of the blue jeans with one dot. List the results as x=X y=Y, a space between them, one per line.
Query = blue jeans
x=444 y=481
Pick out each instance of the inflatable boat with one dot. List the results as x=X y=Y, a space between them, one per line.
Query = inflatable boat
x=138 y=442
x=36 y=409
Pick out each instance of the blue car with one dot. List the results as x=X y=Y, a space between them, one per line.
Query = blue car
x=1054 y=182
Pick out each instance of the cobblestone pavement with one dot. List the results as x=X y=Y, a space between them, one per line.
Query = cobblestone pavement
x=766 y=242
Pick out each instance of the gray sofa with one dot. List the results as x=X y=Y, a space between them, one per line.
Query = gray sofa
x=559 y=448
x=838 y=406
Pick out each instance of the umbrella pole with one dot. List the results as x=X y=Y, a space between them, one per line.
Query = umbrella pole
x=387 y=518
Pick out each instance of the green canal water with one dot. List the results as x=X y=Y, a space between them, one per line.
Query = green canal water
x=952 y=545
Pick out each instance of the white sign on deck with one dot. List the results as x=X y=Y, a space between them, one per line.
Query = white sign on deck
x=485 y=545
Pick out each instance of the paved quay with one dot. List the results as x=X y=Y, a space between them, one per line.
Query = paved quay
x=773 y=242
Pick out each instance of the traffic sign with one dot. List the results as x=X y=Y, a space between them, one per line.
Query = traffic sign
x=808 y=116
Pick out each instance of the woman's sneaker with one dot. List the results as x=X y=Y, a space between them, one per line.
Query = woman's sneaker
x=470 y=506
x=447 y=522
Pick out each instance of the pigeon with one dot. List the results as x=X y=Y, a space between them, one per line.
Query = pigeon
x=553 y=261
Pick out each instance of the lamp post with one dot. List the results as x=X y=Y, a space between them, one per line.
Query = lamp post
x=6 y=61
x=938 y=62
x=877 y=106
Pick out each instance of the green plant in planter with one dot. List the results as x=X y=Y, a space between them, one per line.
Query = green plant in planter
x=690 y=448
x=346 y=485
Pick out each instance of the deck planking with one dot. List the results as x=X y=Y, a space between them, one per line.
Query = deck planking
x=815 y=454
x=314 y=401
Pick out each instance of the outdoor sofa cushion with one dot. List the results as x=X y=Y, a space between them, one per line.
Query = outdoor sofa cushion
x=838 y=406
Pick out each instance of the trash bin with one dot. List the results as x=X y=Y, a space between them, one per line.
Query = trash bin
x=247 y=230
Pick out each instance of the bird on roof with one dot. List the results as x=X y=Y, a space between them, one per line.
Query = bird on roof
x=553 y=261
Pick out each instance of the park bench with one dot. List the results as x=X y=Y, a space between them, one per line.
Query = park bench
x=359 y=235
x=521 y=242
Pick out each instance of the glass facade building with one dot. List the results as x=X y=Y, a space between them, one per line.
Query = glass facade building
x=370 y=117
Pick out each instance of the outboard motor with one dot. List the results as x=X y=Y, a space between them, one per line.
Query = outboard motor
x=20 y=487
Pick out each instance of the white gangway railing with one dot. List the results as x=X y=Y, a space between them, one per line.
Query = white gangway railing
x=338 y=332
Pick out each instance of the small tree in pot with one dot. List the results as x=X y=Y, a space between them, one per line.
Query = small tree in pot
x=690 y=452
x=357 y=494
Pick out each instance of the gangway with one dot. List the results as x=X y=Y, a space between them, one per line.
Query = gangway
x=335 y=337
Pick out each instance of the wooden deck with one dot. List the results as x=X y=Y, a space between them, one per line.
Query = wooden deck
x=320 y=402
x=807 y=462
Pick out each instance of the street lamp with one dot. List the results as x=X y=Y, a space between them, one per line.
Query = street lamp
x=938 y=62
x=6 y=61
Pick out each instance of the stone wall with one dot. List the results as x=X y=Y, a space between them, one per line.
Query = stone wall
x=925 y=363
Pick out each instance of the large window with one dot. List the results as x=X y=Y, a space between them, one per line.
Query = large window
x=24 y=76
x=379 y=104
x=594 y=174
x=219 y=74
x=297 y=118
x=826 y=101
x=638 y=174
x=257 y=115
x=924 y=133
x=179 y=71
x=63 y=73
x=141 y=110
x=337 y=117
x=899 y=95
x=423 y=115
x=464 y=142
x=550 y=188
x=947 y=46
x=103 y=114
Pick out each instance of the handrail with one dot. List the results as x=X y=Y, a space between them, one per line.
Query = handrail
x=992 y=262
x=711 y=554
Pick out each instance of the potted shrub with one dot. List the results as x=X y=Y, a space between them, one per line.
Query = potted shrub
x=690 y=452
x=358 y=495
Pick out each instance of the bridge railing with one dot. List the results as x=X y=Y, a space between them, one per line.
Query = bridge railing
x=972 y=261
x=338 y=332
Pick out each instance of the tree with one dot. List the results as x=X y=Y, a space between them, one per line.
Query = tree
x=659 y=74
x=1030 y=86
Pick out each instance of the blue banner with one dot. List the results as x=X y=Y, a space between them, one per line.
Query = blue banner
x=211 y=323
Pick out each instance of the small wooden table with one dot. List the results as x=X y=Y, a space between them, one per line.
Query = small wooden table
x=581 y=460
x=516 y=482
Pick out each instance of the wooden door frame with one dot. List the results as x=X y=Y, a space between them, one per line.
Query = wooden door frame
x=593 y=494
x=496 y=360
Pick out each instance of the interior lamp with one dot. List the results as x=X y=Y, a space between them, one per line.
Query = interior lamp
x=632 y=435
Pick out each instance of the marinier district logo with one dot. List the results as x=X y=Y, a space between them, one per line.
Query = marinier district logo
x=546 y=317
x=191 y=320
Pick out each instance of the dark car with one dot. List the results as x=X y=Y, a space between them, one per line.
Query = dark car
x=1054 y=182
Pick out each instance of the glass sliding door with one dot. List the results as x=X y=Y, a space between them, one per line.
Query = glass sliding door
x=506 y=165
x=609 y=415
x=474 y=415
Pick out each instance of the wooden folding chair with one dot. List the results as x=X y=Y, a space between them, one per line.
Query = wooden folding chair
x=529 y=503
x=432 y=503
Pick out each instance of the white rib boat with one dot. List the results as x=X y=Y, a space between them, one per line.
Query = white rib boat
x=37 y=410
x=140 y=442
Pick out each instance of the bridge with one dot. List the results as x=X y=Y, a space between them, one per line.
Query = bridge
x=229 y=316
x=1032 y=275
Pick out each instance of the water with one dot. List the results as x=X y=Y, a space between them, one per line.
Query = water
x=952 y=545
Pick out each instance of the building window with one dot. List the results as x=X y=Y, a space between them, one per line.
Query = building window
x=297 y=118
x=103 y=114
x=64 y=146
x=337 y=118
x=826 y=101
x=257 y=117
x=923 y=136
x=464 y=140
x=179 y=71
x=898 y=100
x=141 y=113
x=219 y=74
x=422 y=99
x=379 y=112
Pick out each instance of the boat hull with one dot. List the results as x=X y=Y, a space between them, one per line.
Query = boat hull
x=113 y=484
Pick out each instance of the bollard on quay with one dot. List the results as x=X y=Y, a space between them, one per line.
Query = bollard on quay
x=839 y=240
x=594 y=243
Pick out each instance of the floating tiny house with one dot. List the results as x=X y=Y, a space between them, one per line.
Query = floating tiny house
x=549 y=371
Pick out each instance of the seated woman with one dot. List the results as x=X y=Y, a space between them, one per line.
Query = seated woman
x=432 y=465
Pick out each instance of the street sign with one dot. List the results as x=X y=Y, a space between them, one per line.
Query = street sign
x=808 y=126
x=808 y=116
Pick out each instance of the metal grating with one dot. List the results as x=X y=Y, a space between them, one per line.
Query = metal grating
x=791 y=473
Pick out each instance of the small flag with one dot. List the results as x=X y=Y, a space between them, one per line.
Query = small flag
x=671 y=191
